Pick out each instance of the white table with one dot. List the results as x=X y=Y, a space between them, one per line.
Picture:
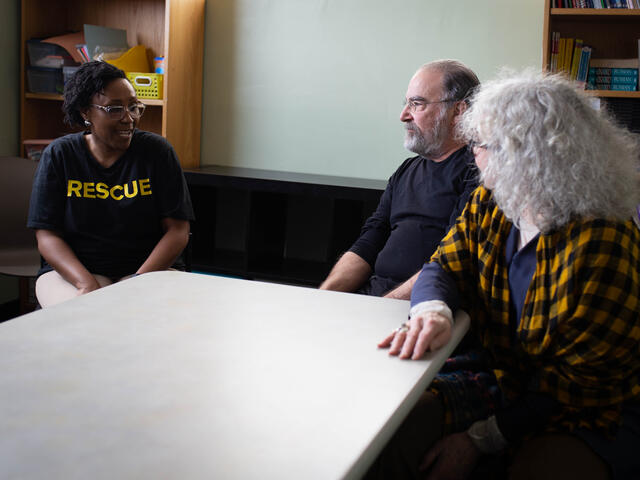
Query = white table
x=184 y=376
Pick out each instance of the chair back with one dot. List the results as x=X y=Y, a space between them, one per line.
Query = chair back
x=18 y=249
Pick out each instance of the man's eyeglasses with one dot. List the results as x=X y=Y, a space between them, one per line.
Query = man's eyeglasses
x=419 y=104
x=116 y=112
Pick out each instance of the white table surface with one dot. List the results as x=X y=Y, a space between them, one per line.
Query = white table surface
x=184 y=376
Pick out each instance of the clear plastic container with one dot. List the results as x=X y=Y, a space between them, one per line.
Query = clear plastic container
x=42 y=54
x=45 y=80
x=68 y=72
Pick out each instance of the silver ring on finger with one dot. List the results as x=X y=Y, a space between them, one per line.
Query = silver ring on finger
x=404 y=328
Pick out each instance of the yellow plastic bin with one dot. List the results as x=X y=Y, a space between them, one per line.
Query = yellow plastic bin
x=147 y=85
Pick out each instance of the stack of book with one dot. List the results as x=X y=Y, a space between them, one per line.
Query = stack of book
x=595 y=3
x=570 y=56
x=613 y=74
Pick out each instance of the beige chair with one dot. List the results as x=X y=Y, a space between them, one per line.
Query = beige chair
x=18 y=251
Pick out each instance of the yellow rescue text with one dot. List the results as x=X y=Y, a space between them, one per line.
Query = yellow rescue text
x=76 y=188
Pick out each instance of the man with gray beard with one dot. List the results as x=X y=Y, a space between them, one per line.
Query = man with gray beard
x=424 y=196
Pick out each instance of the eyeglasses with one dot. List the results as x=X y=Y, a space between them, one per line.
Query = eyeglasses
x=476 y=144
x=419 y=104
x=116 y=112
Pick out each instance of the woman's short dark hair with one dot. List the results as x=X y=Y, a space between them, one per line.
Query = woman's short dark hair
x=91 y=78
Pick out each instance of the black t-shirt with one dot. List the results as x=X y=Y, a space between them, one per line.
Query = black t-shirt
x=110 y=217
x=421 y=200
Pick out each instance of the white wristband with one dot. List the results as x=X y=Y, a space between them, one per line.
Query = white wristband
x=437 y=306
x=486 y=436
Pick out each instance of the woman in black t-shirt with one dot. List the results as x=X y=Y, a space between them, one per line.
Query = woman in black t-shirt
x=109 y=202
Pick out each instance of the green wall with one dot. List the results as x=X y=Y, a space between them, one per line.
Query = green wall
x=10 y=118
x=316 y=86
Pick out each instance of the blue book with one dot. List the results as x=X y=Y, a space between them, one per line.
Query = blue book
x=625 y=79
x=613 y=71
x=584 y=64
x=623 y=88
x=614 y=87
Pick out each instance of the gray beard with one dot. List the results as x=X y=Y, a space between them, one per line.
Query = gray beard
x=428 y=144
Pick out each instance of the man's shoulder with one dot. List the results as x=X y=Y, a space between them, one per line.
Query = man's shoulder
x=458 y=168
x=459 y=163
x=461 y=159
x=409 y=164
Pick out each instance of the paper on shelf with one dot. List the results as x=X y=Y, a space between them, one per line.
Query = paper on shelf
x=105 y=38
x=69 y=42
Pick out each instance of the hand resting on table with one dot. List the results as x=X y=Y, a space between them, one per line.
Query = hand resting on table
x=428 y=331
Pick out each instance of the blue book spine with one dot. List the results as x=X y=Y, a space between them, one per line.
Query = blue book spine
x=613 y=79
x=584 y=64
x=613 y=71
x=615 y=87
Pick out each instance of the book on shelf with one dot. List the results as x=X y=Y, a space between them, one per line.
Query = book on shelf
x=568 y=55
x=625 y=4
x=575 y=62
x=613 y=80
x=618 y=87
x=561 y=54
x=613 y=74
x=614 y=63
x=611 y=84
x=84 y=53
x=583 y=65
x=623 y=74
x=627 y=83
x=553 y=62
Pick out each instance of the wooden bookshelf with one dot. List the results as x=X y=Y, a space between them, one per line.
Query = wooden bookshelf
x=600 y=12
x=173 y=28
x=613 y=33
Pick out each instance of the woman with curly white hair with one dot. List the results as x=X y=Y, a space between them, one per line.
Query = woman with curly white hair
x=546 y=259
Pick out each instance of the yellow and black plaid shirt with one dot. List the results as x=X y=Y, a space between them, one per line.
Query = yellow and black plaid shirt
x=579 y=334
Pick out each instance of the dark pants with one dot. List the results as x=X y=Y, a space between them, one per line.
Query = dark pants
x=546 y=456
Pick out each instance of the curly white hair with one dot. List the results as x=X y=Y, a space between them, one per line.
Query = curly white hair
x=550 y=153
